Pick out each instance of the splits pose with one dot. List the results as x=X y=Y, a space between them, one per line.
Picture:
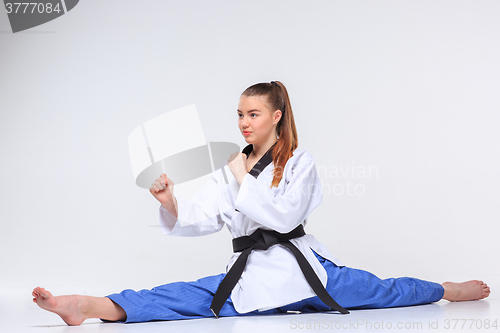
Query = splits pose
x=264 y=196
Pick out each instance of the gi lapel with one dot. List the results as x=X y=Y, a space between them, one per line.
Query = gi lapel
x=263 y=161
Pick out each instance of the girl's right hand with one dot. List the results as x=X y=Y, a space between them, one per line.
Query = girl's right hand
x=162 y=189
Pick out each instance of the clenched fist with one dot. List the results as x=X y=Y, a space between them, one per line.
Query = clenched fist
x=237 y=163
x=163 y=190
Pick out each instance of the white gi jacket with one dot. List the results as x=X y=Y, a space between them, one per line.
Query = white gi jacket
x=272 y=277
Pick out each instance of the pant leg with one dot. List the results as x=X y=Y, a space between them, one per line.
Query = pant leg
x=358 y=289
x=177 y=300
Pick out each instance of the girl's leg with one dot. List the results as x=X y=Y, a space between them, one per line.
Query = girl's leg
x=172 y=301
x=358 y=289
x=74 y=309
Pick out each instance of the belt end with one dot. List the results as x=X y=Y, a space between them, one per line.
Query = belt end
x=216 y=316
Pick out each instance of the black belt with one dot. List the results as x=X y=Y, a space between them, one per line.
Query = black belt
x=261 y=240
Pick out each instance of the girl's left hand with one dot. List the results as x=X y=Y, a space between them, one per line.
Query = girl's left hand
x=237 y=163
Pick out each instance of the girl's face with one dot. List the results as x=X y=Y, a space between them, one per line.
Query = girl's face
x=256 y=121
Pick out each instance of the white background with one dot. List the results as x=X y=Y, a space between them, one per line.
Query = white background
x=409 y=88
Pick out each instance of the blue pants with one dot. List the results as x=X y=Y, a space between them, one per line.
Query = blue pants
x=351 y=288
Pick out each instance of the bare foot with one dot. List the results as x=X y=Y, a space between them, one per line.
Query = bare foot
x=465 y=291
x=70 y=308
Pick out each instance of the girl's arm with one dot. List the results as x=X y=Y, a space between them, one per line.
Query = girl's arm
x=196 y=217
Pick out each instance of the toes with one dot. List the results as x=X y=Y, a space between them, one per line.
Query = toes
x=43 y=293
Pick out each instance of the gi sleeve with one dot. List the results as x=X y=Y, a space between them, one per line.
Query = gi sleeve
x=283 y=212
x=196 y=217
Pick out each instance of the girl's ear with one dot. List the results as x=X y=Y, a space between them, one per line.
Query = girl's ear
x=277 y=115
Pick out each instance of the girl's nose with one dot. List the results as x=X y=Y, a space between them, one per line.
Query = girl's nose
x=244 y=122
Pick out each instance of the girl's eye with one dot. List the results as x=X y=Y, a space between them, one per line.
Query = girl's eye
x=253 y=114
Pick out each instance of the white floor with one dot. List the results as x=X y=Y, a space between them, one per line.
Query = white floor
x=19 y=314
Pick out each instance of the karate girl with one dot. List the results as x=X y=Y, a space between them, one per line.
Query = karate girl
x=264 y=196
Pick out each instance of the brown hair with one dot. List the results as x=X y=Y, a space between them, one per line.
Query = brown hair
x=277 y=99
